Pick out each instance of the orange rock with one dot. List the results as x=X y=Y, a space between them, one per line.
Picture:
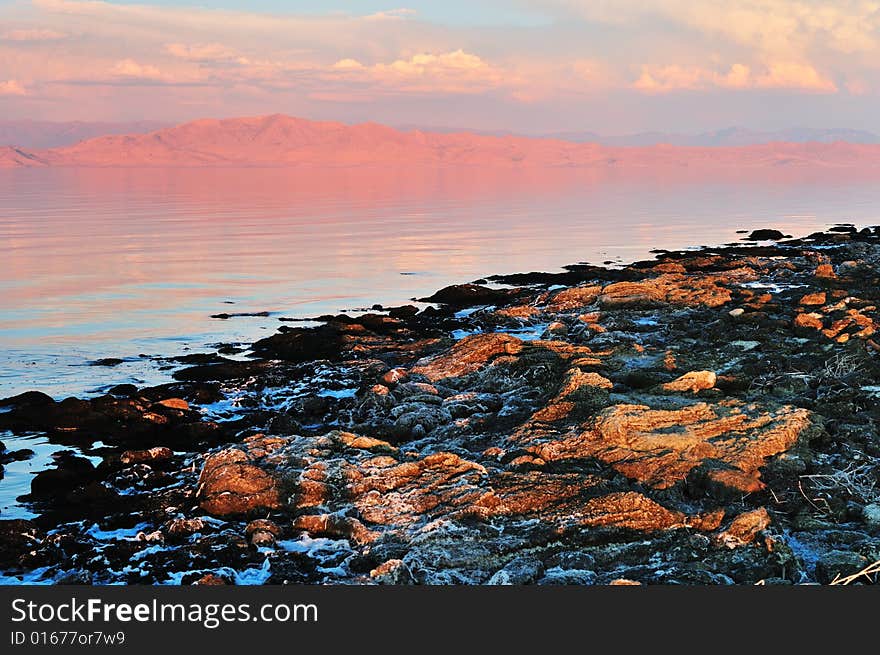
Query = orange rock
x=333 y=525
x=674 y=289
x=578 y=379
x=825 y=271
x=808 y=321
x=669 y=361
x=156 y=454
x=574 y=298
x=174 y=403
x=210 y=580
x=814 y=299
x=393 y=494
x=261 y=532
x=522 y=312
x=394 y=376
x=358 y=442
x=670 y=267
x=693 y=381
x=661 y=447
x=624 y=582
x=630 y=510
x=394 y=571
x=744 y=528
x=231 y=484
x=468 y=355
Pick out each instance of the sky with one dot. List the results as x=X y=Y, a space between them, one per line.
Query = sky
x=528 y=66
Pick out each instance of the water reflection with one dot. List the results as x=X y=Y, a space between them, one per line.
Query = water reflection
x=101 y=263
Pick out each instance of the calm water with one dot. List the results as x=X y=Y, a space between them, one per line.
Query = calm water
x=100 y=264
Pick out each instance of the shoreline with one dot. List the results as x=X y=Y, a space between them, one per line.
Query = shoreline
x=707 y=417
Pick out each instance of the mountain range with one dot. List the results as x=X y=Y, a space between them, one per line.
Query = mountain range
x=279 y=140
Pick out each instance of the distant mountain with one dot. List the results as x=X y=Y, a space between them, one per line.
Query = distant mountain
x=732 y=136
x=280 y=140
x=37 y=135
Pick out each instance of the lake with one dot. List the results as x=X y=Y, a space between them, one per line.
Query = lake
x=125 y=263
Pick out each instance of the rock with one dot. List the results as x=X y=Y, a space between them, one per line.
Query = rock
x=262 y=532
x=301 y=344
x=825 y=271
x=814 y=299
x=739 y=311
x=392 y=572
x=403 y=312
x=838 y=564
x=766 y=235
x=467 y=295
x=231 y=483
x=394 y=376
x=391 y=494
x=182 y=528
x=574 y=298
x=744 y=528
x=810 y=321
x=871 y=515
x=69 y=473
x=693 y=381
x=17 y=538
x=28 y=399
x=624 y=582
x=108 y=361
x=210 y=580
x=673 y=289
x=728 y=443
x=519 y=312
x=519 y=571
x=157 y=454
x=468 y=355
x=174 y=403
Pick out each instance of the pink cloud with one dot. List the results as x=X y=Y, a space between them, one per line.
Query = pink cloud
x=33 y=35
x=203 y=52
x=451 y=72
x=402 y=13
x=12 y=88
x=131 y=68
x=779 y=75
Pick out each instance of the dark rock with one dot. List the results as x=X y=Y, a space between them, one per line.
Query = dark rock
x=28 y=399
x=17 y=538
x=839 y=563
x=467 y=295
x=766 y=235
x=108 y=361
x=70 y=472
x=301 y=344
x=226 y=316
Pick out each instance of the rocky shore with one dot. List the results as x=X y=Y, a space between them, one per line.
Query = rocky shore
x=706 y=417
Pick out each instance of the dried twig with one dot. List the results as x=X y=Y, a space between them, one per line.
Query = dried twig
x=867 y=573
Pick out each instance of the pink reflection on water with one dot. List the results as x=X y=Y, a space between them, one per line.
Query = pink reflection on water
x=115 y=261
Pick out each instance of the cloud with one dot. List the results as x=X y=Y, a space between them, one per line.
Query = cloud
x=204 y=52
x=453 y=72
x=33 y=35
x=12 y=88
x=777 y=27
x=131 y=68
x=780 y=75
x=793 y=75
x=402 y=13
